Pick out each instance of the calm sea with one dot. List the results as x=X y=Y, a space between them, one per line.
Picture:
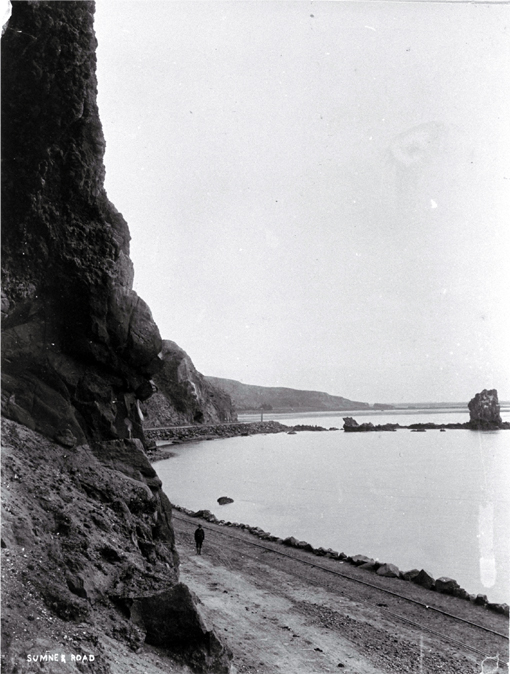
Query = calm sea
x=438 y=501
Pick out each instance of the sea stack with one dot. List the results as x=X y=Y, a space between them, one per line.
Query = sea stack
x=484 y=411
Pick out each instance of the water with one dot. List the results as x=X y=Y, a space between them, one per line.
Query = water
x=438 y=501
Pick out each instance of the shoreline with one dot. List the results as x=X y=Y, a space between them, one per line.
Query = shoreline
x=443 y=585
x=171 y=436
x=280 y=609
x=176 y=435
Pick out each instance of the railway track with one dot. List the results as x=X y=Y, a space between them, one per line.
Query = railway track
x=316 y=566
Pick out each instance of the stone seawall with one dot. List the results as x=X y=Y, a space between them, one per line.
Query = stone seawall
x=179 y=434
x=421 y=577
x=176 y=435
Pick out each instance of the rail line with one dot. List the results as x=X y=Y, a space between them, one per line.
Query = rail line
x=357 y=580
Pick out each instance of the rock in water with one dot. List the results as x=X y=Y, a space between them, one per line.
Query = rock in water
x=223 y=500
x=484 y=410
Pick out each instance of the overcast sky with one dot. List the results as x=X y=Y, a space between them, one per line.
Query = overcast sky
x=317 y=192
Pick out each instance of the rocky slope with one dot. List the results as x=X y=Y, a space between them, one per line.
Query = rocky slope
x=184 y=396
x=249 y=397
x=87 y=530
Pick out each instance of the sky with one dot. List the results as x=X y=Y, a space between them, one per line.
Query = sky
x=317 y=192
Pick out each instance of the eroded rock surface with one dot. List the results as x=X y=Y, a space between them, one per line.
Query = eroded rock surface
x=79 y=345
x=184 y=396
x=86 y=526
x=484 y=410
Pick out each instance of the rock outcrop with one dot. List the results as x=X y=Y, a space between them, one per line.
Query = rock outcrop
x=79 y=345
x=352 y=426
x=183 y=395
x=484 y=411
x=87 y=528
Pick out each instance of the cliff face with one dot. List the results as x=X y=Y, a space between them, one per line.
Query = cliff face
x=249 y=397
x=79 y=345
x=87 y=530
x=184 y=396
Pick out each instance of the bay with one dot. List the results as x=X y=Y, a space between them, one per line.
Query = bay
x=433 y=500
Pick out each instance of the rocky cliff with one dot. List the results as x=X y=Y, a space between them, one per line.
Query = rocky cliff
x=184 y=396
x=250 y=397
x=87 y=536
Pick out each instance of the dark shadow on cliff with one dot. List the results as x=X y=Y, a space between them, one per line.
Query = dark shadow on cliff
x=80 y=350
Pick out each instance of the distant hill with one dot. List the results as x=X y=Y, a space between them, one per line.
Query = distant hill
x=249 y=397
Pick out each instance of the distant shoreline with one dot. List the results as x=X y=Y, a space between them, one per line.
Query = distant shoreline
x=177 y=435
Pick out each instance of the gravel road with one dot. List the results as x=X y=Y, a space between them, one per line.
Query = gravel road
x=278 y=614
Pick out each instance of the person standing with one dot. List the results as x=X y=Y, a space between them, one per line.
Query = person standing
x=199 y=539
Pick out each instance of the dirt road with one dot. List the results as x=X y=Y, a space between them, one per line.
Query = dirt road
x=278 y=614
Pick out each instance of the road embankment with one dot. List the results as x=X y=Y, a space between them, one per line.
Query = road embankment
x=281 y=609
x=174 y=435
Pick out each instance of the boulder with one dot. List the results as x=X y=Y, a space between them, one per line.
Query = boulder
x=388 y=571
x=409 y=575
x=481 y=600
x=497 y=608
x=223 y=500
x=291 y=542
x=358 y=560
x=171 y=621
x=204 y=514
x=446 y=585
x=369 y=566
x=332 y=555
x=320 y=552
x=461 y=593
x=424 y=579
